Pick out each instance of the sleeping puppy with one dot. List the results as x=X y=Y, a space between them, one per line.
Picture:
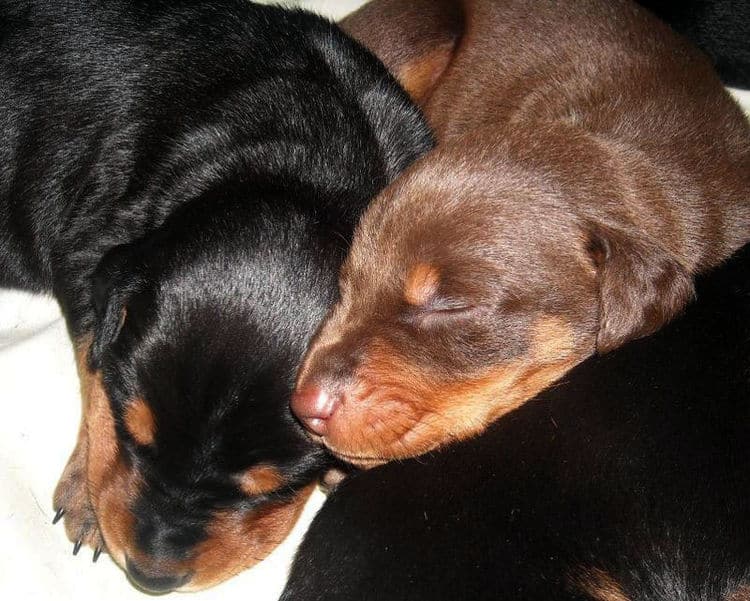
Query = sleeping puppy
x=589 y=163
x=184 y=177
x=627 y=481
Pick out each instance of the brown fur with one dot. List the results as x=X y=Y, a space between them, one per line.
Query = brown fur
x=599 y=585
x=97 y=489
x=139 y=420
x=589 y=165
x=236 y=542
x=741 y=594
x=421 y=284
x=71 y=492
x=261 y=480
x=416 y=40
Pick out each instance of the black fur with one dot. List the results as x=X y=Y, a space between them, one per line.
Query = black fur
x=721 y=28
x=184 y=177
x=634 y=471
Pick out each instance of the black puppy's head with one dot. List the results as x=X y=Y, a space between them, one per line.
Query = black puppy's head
x=196 y=467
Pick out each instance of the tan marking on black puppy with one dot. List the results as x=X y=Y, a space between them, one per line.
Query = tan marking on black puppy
x=71 y=497
x=235 y=540
x=139 y=420
x=260 y=480
x=236 y=543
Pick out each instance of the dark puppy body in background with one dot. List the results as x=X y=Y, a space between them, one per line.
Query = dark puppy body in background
x=627 y=481
x=184 y=178
x=721 y=28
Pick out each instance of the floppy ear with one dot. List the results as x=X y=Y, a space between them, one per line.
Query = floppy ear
x=415 y=39
x=640 y=288
x=112 y=285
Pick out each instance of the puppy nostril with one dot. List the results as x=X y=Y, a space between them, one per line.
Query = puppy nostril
x=313 y=406
x=154 y=583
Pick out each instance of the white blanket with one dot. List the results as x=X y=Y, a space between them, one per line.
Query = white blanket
x=41 y=408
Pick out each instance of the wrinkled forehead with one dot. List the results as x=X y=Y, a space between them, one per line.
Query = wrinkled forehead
x=471 y=237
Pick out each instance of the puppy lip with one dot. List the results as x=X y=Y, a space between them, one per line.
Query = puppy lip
x=358 y=460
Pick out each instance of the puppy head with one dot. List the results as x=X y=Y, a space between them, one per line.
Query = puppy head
x=185 y=525
x=461 y=299
x=196 y=467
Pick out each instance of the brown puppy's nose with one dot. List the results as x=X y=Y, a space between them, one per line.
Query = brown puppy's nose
x=313 y=406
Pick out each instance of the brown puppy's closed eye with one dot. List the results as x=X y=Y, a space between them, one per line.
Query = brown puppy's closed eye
x=589 y=164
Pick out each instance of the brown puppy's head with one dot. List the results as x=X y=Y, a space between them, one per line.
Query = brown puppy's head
x=465 y=294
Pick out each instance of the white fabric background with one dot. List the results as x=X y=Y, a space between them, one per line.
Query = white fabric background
x=40 y=413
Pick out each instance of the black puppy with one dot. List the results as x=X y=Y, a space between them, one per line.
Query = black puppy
x=721 y=28
x=184 y=177
x=628 y=481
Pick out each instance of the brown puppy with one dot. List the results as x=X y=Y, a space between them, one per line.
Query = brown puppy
x=589 y=164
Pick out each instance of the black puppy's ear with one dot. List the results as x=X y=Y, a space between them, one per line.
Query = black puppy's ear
x=641 y=287
x=112 y=285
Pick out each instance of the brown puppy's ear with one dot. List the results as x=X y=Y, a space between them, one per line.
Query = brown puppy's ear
x=419 y=76
x=415 y=39
x=640 y=288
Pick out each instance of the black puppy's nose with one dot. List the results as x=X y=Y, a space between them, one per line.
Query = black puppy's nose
x=154 y=581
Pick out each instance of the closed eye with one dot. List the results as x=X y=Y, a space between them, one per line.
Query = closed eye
x=442 y=313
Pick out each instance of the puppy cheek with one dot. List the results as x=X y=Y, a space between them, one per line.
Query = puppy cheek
x=237 y=541
x=401 y=409
x=385 y=413
x=112 y=504
x=112 y=486
x=366 y=433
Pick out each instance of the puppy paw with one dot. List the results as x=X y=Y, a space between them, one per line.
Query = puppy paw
x=72 y=505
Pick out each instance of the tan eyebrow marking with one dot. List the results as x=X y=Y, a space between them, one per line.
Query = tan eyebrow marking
x=421 y=284
x=140 y=422
x=260 y=480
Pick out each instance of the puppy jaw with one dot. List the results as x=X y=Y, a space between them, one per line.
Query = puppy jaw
x=393 y=408
x=112 y=485
x=236 y=540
